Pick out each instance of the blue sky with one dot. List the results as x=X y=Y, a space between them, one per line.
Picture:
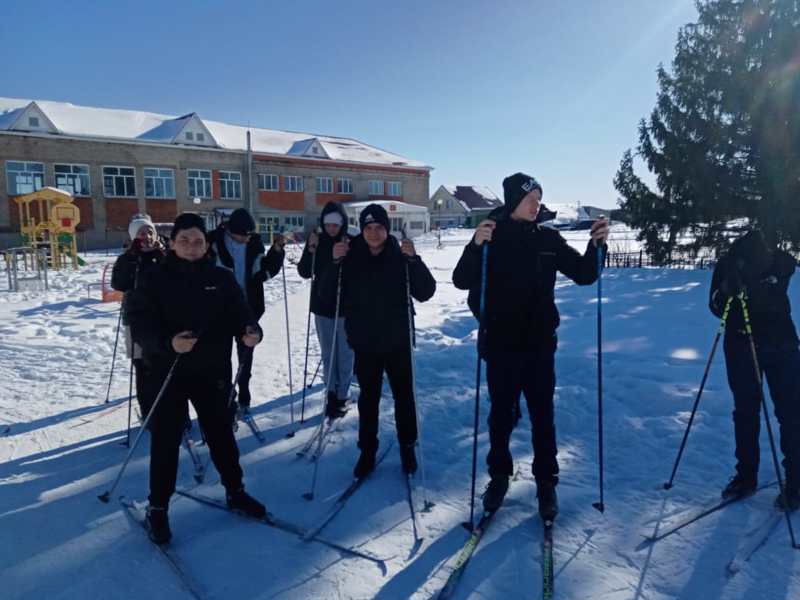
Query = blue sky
x=476 y=89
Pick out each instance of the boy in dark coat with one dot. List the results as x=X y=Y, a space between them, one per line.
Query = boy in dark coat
x=763 y=275
x=187 y=308
x=517 y=336
x=374 y=302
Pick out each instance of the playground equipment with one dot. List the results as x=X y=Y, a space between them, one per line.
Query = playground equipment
x=34 y=265
x=47 y=219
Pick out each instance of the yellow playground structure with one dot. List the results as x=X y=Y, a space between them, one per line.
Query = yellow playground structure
x=47 y=219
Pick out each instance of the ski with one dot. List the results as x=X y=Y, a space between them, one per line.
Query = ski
x=136 y=512
x=248 y=420
x=338 y=505
x=416 y=525
x=289 y=527
x=695 y=515
x=323 y=431
x=6 y=430
x=752 y=541
x=465 y=555
x=547 y=560
x=199 y=468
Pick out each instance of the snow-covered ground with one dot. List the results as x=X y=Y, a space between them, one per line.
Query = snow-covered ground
x=60 y=447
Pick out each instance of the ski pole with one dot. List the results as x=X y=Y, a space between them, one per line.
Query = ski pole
x=600 y=505
x=720 y=331
x=104 y=497
x=482 y=308
x=114 y=355
x=288 y=350
x=757 y=367
x=316 y=372
x=308 y=332
x=127 y=443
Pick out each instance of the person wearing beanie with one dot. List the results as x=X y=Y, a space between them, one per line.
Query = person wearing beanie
x=186 y=307
x=240 y=250
x=517 y=332
x=318 y=255
x=761 y=274
x=372 y=270
x=145 y=252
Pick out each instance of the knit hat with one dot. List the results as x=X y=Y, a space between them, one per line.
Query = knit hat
x=187 y=220
x=374 y=213
x=516 y=187
x=240 y=222
x=333 y=218
x=137 y=222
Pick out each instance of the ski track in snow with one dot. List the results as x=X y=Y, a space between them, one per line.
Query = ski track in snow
x=62 y=448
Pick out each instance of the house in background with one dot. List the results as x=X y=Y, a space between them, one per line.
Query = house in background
x=461 y=205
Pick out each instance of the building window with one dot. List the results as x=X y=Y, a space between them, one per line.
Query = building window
x=73 y=179
x=292 y=183
x=159 y=183
x=268 y=183
x=375 y=188
x=230 y=185
x=416 y=225
x=448 y=204
x=119 y=182
x=395 y=188
x=200 y=137
x=269 y=223
x=190 y=136
x=295 y=221
x=396 y=223
x=344 y=186
x=324 y=185
x=352 y=221
x=199 y=183
x=33 y=121
x=24 y=177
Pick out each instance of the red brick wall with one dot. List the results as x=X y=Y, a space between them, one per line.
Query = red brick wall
x=282 y=200
x=215 y=185
x=162 y=211
x=119 y=212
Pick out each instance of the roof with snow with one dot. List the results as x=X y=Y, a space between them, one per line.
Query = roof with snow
x=63 y=118
x=474 y=197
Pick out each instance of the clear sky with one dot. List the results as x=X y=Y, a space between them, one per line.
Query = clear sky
x=475 y=89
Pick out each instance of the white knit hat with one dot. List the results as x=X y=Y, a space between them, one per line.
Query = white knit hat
x=137 y=222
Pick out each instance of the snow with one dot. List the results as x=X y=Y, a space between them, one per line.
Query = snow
x=63 y=449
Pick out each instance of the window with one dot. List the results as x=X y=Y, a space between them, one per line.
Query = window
x=230 y=185
x=344 y=186
x=268 y=223
x=324 y=185
x=416 y=225
x=189 y=136
x=159 y=183
x=73 y=179
x=352 y=221
x=395 y=188
x=375 y=188
x=33 y=121
x=199 y=183
x=293 y=221
x=24 y=177
x=119 y=181
x=200 y=137
x=449 y=204
x=268 y=183
x=292 y=183
x=396 y=223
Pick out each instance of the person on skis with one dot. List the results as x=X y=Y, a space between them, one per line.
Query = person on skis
x=372 y=272
x=145 y=252
x=185 y=313
x=761 y=274
x=318 y=253
x=517 y=335
x=240 y=250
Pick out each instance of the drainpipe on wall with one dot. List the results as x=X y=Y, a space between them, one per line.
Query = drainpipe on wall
x=249 y=169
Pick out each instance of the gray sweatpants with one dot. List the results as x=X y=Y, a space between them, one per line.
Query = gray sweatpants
x=339 y=375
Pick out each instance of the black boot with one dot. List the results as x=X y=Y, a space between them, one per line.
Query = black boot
x=244 y=503
x=244 y=399
x=365 y=464
x=792 y=499
x=739 y=487
x=157 y=523
x=548 y=500
x=332 y=410
x=408 y=458
x=495 y=493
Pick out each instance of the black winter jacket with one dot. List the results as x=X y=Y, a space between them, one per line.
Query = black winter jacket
x=520 y=309
x=324 y=307
x=261 y=266
x=179 y=295
x=374 y=300
x=129 y=268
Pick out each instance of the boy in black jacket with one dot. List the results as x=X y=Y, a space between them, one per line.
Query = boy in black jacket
x=188 y=308
x=375 y=305
x=241 y=251
x=517 y=336
x=763 y=275
x=338 y=373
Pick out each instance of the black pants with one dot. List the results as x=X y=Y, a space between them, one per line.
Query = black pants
x=145 y=394
x=369 y=368
x=245 y=355
x=209 y=397
x=781 y=365
x=532 y=373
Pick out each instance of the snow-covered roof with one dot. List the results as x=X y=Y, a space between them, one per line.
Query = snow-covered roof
x=474 y=197
x=83 y=121
x=397 y=206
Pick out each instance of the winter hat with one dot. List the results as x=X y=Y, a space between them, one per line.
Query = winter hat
x=516 y=187
x=137 y=222
x=240 y=222
x=333 y=218
x=374 y=213
x=187 y=220
x=751 y=253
